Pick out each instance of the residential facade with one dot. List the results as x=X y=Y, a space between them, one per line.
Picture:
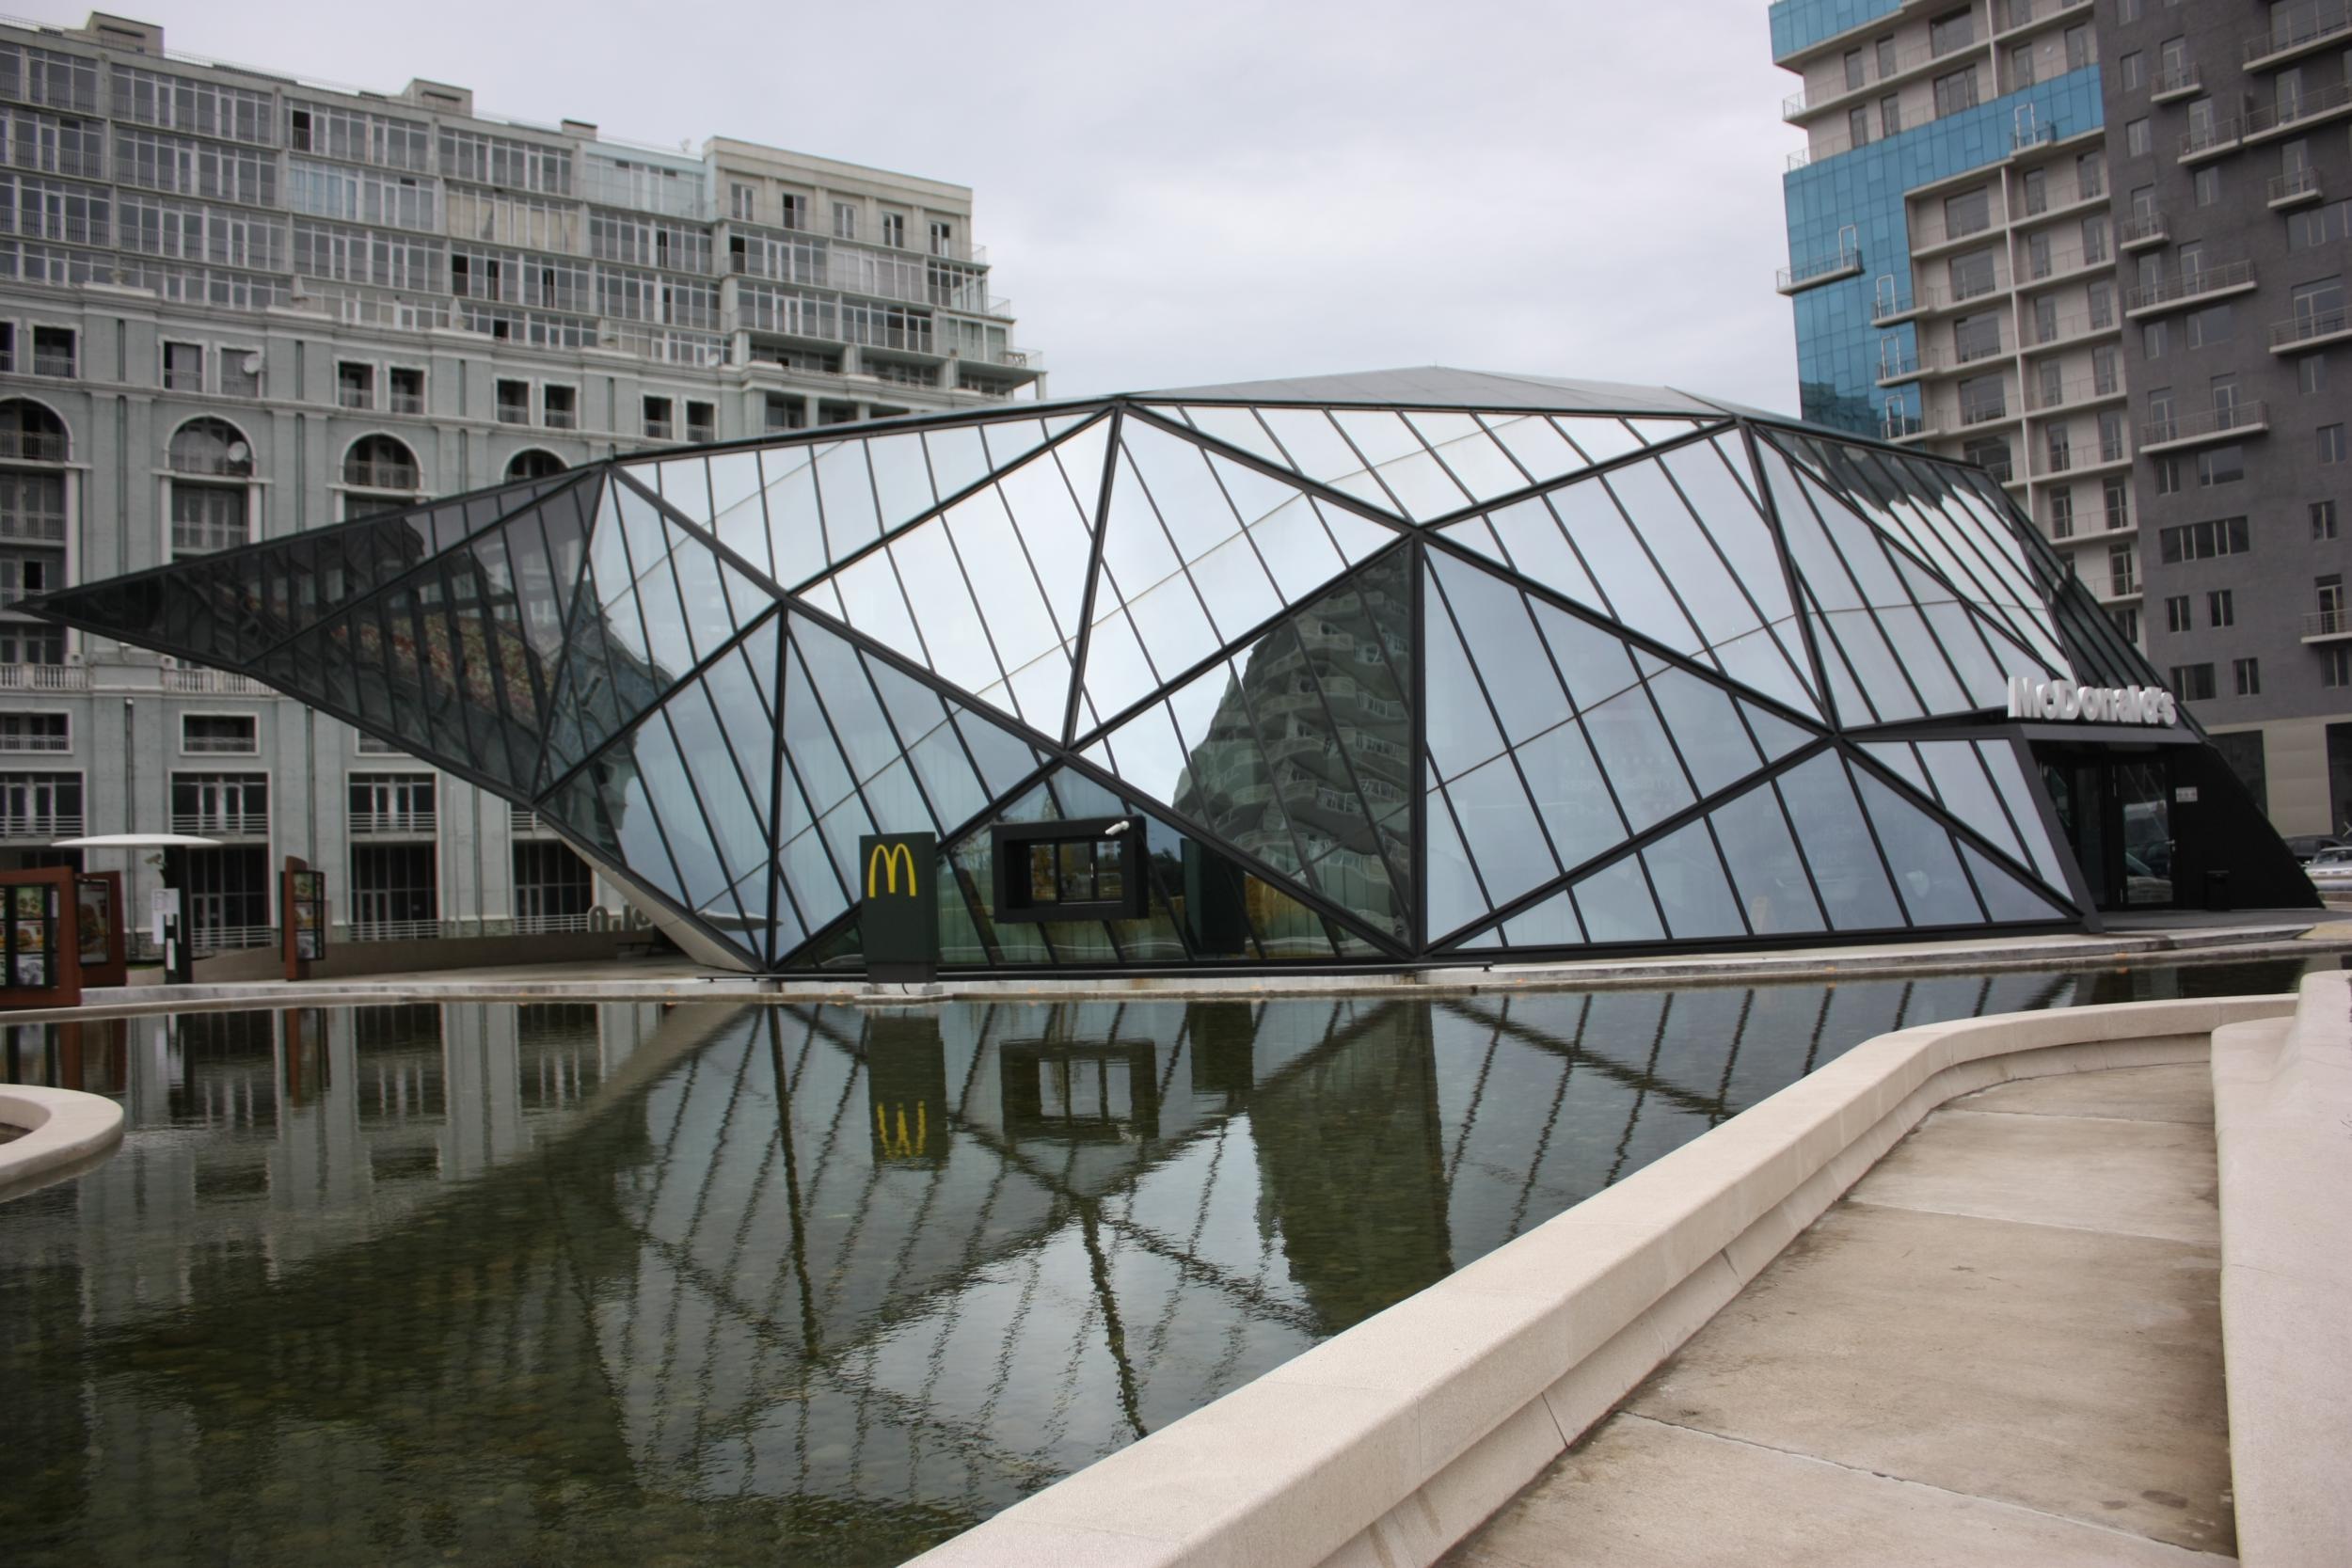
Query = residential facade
x=2098 y=246
x=236 y=306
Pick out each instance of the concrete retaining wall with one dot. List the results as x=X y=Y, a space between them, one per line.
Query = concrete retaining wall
x=1391 y=1442
x=2283 y=1118
x=66 y=1133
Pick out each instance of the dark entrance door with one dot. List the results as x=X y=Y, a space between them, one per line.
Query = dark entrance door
x=2115 y=809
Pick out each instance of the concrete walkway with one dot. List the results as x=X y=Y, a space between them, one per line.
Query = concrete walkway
x=2003 y=1346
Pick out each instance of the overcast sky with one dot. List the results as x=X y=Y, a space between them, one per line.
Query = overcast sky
x=1196 y=192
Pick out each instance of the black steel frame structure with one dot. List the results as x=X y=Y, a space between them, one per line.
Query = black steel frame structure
x=1407 y=667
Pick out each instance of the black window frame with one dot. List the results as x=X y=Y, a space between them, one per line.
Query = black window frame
x=1012 y=843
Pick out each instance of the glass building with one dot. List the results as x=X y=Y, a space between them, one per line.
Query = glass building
x=1422 y=665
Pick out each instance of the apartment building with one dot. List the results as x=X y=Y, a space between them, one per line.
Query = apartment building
x=2098 y=246
x=235 y=304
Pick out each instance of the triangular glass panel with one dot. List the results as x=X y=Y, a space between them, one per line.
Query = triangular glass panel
x=1615 y=904
x=1920 y=851
x=2006 y=900
x=1837 y=848
x=1687 y=874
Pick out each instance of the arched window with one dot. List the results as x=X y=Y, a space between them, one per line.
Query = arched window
x=534 y=464
x=212 y=506
x=31 y=432
x=214 y=448
x=380 y=463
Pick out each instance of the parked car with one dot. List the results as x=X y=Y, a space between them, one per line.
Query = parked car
x=2331 y=868
x=2305 y=845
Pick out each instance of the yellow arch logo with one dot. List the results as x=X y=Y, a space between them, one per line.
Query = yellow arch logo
x=903 y=1146
x=882 y=864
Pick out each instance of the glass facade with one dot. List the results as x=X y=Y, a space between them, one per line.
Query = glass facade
x=1382 y=668
x=1838 y=348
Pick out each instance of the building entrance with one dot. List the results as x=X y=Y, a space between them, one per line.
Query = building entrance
x=2116 y=808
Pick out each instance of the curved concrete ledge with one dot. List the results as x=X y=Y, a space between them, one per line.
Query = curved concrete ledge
x=2283 y=1121
x=66 y=1133
x=1391 y=1442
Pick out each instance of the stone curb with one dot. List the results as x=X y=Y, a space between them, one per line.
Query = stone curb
x=1391 y=1442
x=2282 y=1122
x=2050 y=953
x=66 y=1133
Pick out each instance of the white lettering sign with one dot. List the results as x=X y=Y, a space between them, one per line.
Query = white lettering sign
x=2097 y=704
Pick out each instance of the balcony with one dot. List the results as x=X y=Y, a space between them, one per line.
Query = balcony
x=363 y=474
x=219 y=683
x=406 y=403
x=2073 y=394
x=44 y=825
x=2024 y=13
x=206 y=461
x=1895 y=368
x=2291 y=38
x=2327 y=625
x=561 y=418
x=2215 y=282
x=2297 y=188
x=2074 y=328
x=33 y=446
x=2075 y=463
x=395 y=824
x=1813 y=273
x=1931 y=237
x=221 y=824
x=513 y=413
x=2181 y=81
x=2051 y=266
x=392 y=930
x=2309 y=330
x=2140 y=231
x=2299 y=112
x=356 y=398
x=2225 y=423
x=204 y=940
x=2198 y=144
x=1917 y=59
x=522 y=819
x=45 y=677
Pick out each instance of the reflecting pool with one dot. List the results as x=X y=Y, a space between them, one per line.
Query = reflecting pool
x=632 y=1284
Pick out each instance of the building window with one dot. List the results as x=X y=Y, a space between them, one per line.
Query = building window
x=52 y=351
x=41 y=805
x=392 y=803
x=183 y=368
x=2248 y=674
x=2310 y=374
x=2221 y=607
x=2122 y=570
x=893 y=229
x=844 y=220
x=406 y=390
x=2192 y=682
x=554 y=888
x=2206 y=186
x=533 y=463
x=1858 y=127
x=2063 y=513
x=380 y=463
x=232 y=734
x=559 y=408
x=395 y=893
x=208 y=518
x=2330 y=443
x=1952 y=30
x=2125 y=620
x=2335 y=668
x=2137 y=142
x=744 y=203
x=372 y=746
x=659 y=426
x=240 y=372
x=2203 y=540
x=1890 y=121
x=2322 y=519
x=2176 y=614
x=23 y=574
x=354 y=386
x=36 y=732
x=785 y=413
x=702 y=422
x=2168 y=476
x=2224 y=465
x=22 y=643
x=1069 y=870
x=2118 y=495
x=514 y=402
x=794 y=210
x=2213 y=325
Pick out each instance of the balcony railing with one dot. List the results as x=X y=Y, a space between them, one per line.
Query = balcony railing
x=2219 y=136
x=204 y=940
x=541 y=925
x=207 y=463
x=368 y=475
x=522 y=819
x=2323 y=624
x=2078 y=324
x=420 y=824
x=221 y=824
x=45 y=677
x=42 y=825
x=26 y=525
x=2191 y=285
x=2249 y=416
x=222 y=682
x=2119 y=517
x=2140 y=228
x=355 y=397
x=2041 y=398
x=392 y=930
x=32 y=445
x=2290 y=35
x=2021 y=13
x=1984 y=413
x=2302 y=109
x=2176 y=82
x=2047 y=264
x=513 y=413
x=406 y=403
x=2296 y=186
x=561 y=418
x=2313 y=326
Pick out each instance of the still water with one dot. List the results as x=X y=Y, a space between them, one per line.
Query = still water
x=628 y=1284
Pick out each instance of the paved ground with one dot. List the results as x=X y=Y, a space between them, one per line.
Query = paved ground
x=2002 y=1347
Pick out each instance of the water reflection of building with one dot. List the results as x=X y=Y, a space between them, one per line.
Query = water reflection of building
x=672 y=1285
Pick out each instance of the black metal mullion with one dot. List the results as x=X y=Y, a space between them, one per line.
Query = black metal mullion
x=1799 y=597
x=1830 y=543
x=775 y=783
x=1417 y=770
x=1294 y=477
x=1845 y=752
x=1102 y=520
